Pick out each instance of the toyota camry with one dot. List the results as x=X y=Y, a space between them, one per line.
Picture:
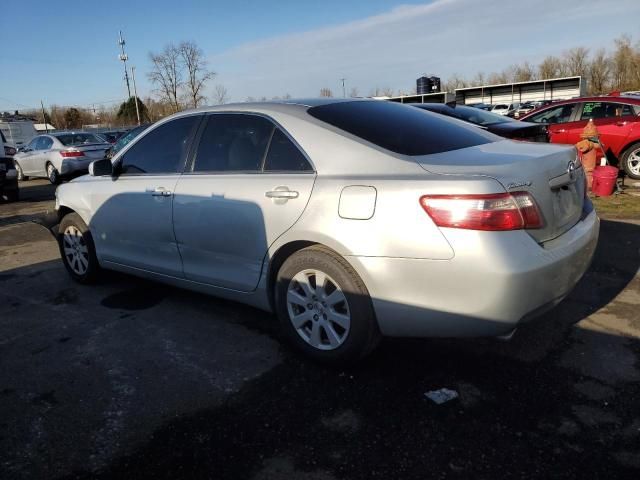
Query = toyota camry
x=349 y=219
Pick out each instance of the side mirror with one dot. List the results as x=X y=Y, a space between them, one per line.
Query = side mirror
x=99 y=168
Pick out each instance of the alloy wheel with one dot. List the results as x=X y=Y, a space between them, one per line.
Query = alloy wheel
x=75 y=250
x=318 y=309
x=633 y=162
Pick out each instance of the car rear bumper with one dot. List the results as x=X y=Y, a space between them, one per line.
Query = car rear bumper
x=494 y=282
x=72 y=166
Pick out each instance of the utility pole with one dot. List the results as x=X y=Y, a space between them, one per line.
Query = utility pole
x=123 y=58
x=44 y=118
x=135 y=92
x=344 y=92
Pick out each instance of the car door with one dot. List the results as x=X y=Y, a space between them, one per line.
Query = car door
x=132 y=220
x=557 y=118
x=249 y=182
x=44 y=146
x=28 y=157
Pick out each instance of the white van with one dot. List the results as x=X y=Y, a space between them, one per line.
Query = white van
x=18 y=132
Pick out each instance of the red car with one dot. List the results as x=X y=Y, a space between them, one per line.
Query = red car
x=617 y=118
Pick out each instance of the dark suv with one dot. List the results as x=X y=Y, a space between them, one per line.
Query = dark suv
x=617 y=118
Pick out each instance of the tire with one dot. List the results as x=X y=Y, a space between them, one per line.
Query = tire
x=335 y=324
x=630 y=160
x=13 y=194
x=21 y=176
x=52 y=174
x=77 y=249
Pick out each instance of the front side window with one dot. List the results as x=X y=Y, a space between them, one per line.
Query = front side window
x=233 y=143
x=559 y=114
x=33 y=143
x=163 y=150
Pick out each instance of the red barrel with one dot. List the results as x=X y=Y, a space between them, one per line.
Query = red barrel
x=604 y=180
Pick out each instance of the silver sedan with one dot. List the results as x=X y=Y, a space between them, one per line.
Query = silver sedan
x=351 y=220
x=56 y=155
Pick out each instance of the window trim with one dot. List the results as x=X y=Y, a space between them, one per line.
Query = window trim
x=196 y=143
x=117 y=162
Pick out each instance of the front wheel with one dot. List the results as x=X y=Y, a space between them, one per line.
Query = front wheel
x=631 y=161
x=52 y=174
x=77 y=249
x=324 y=307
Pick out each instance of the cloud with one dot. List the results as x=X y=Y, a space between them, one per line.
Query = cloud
x=442 y=37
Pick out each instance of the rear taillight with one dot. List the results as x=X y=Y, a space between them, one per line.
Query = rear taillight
x=9 y=151
x=71 y=153
x=498 y=211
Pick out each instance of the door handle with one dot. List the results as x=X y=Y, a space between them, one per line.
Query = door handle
x=282 y=193
x=159 y=192
x=621 y=124
x=560 y=130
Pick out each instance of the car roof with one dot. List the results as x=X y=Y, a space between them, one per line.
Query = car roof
x=602 y=98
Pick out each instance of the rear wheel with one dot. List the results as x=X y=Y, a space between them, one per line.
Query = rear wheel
x=77 y=249
x=52 y=174
x=631 y=161
x=324 y=307
x=21 y=175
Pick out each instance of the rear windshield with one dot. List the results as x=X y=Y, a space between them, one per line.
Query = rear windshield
x=75 y=139
x=400 y=128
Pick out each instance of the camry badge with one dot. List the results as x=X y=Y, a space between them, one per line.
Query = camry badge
x=513 y=185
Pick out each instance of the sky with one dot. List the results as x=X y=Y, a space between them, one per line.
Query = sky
x=66 y=52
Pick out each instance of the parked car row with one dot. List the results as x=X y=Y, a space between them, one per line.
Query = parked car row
x=617 y=118
x=61 y=155
x=349 y=219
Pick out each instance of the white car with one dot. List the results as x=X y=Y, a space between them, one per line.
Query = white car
x=59 y=154
x=505 y=108
x=17 y=132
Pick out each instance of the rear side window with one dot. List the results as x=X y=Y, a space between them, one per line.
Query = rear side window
x=284 y=156
x=44 y=143
x=597 y=110
x=400 y=128
x=233 y=143
x=162 y=150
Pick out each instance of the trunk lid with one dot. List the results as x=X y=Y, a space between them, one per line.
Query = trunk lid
x=95 y=151
x=550 y=173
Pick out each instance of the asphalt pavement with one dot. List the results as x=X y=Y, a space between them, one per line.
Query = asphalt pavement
x=132 y=379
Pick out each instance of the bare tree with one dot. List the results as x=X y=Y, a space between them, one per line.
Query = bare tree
x=454 y=82
x=599 y=69
x=220 y=95
x=166 y=74
x=551 y=67
x=197 y=72
x=622 y=64
x=353 y=93
x=387 y=91
x=286 y=96
x=576 y=61
x=524 y=72
x=326 y=92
